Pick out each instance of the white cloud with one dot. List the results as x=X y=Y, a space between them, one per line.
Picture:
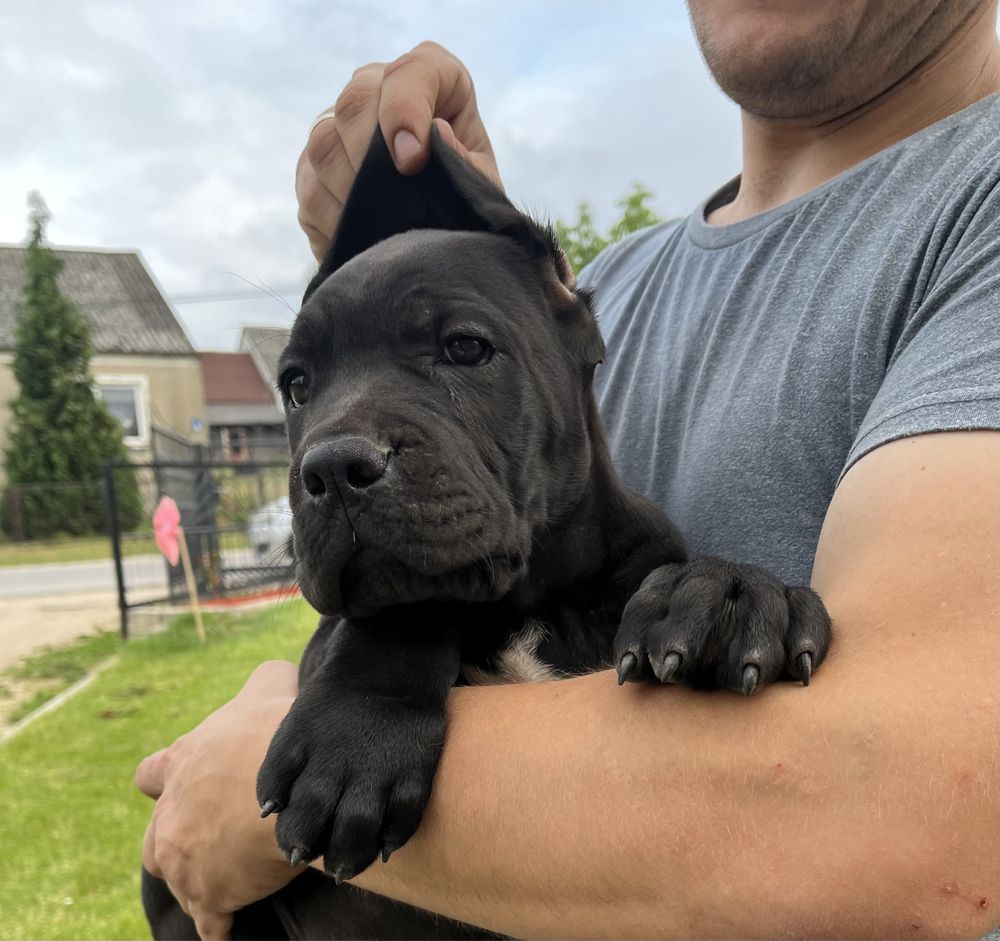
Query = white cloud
x=174 y=128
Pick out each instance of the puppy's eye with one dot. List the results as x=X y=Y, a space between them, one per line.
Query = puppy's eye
x=298 y=388
x=464 y=350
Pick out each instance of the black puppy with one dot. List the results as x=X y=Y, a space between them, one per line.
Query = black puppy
x=457 y=519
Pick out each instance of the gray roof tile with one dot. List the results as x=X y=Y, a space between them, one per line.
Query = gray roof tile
x=113 y=290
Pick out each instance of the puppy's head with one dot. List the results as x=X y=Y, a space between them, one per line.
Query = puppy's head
x=437 y=391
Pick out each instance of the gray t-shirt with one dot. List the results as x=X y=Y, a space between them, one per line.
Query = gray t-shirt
x=750 y=365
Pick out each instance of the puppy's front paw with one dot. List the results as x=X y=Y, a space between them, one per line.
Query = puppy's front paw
x=349 y=774
x=710 y=624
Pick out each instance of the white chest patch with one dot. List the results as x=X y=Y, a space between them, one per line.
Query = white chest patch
x=517 y=663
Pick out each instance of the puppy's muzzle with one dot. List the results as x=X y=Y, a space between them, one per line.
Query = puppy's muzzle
x=343 y=471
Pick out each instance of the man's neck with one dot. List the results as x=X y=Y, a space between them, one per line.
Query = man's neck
x=783 y=160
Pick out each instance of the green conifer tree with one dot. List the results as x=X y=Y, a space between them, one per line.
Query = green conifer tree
x=60 y=433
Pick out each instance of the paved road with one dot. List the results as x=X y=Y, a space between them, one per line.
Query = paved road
x=65 y=578
x=52 y=604
x=142 y=572
x=29 y=623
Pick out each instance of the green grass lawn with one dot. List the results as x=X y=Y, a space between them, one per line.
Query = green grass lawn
x=90 y=548
x=77 y=549
x=71 y=823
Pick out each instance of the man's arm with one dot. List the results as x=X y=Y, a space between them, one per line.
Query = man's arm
x=863 y=806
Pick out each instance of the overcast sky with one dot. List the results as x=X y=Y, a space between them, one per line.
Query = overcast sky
x=173 y=128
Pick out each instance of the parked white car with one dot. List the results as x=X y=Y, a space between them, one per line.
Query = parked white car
x=269 y=530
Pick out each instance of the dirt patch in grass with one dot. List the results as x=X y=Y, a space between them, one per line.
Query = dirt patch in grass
x=33 y=682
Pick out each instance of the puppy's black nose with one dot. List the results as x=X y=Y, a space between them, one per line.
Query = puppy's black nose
x=342 y=468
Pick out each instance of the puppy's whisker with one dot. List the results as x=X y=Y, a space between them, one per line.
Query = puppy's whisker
x=347 y=515
x=264 y=289
x=486 y=556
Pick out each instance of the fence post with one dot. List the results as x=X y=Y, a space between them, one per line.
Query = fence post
x=115 y=534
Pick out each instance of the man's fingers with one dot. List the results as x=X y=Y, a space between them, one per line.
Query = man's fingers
x=482 y=161
x=426 y=83
x=212 y=926
x=151 y=773
x=324 y=160
x=357 y=112
x=319 y=242
x=149 y=850
x=405 y=111
x=339 y=139
x=319 y=209
x=447 y=133
x=403 y=98
x=337 y=143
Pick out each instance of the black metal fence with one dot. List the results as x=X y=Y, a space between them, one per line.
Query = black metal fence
x=167 y=445
x=237 y=526
x=42 y=511
x=31 y=512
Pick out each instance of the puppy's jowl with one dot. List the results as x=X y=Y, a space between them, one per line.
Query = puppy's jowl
x=457 y=519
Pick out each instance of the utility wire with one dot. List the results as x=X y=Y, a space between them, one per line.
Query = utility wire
x=208 y=297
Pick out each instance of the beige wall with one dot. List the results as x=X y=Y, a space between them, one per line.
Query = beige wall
x=176 y=391
x=176 y=395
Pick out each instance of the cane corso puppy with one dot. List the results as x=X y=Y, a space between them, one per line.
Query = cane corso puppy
x=457 y=519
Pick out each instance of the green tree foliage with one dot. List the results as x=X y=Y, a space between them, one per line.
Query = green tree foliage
x=61 y=433
x=582 y=241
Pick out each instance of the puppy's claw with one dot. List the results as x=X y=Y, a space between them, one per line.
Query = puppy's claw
x=268 y=808
x=298 y=855
x=342 y=874
x=805 y=662
x=751 y=673
x=666 y=670
x=626 y=666
x=387 y=851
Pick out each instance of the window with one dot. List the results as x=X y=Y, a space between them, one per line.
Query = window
x=121 y=402
x=125 y=397
x=234 y=445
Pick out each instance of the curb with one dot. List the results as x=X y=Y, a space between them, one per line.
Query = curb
x=56 y=701
x=227 y=606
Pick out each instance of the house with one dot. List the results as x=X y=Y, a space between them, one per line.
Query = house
x=265 y=346
x=144 y=366
x=242 y=409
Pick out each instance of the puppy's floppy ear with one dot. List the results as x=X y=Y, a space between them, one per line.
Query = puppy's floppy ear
x=452 y=195
x=491 y=211
x=446 y=194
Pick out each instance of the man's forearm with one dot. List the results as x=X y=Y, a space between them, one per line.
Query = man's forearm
x=578 y=809
x=865 y=805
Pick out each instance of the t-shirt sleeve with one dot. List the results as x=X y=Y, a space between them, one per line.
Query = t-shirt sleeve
x=944 y=371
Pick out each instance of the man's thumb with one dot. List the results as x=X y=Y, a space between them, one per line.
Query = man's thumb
x=151 y=774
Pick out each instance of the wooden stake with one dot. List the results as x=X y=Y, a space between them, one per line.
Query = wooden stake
x=191 y=586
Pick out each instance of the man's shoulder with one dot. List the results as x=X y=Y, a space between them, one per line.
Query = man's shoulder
x=631 y=256
x=974 y=127
x=950 y=161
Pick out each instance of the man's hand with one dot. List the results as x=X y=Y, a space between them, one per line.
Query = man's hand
x=206 y=838
x=426 y=85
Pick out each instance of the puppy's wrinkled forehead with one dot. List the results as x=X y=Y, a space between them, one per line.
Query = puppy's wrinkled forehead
x=425 y=272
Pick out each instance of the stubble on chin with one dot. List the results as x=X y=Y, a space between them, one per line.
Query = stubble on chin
x=823 y=73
